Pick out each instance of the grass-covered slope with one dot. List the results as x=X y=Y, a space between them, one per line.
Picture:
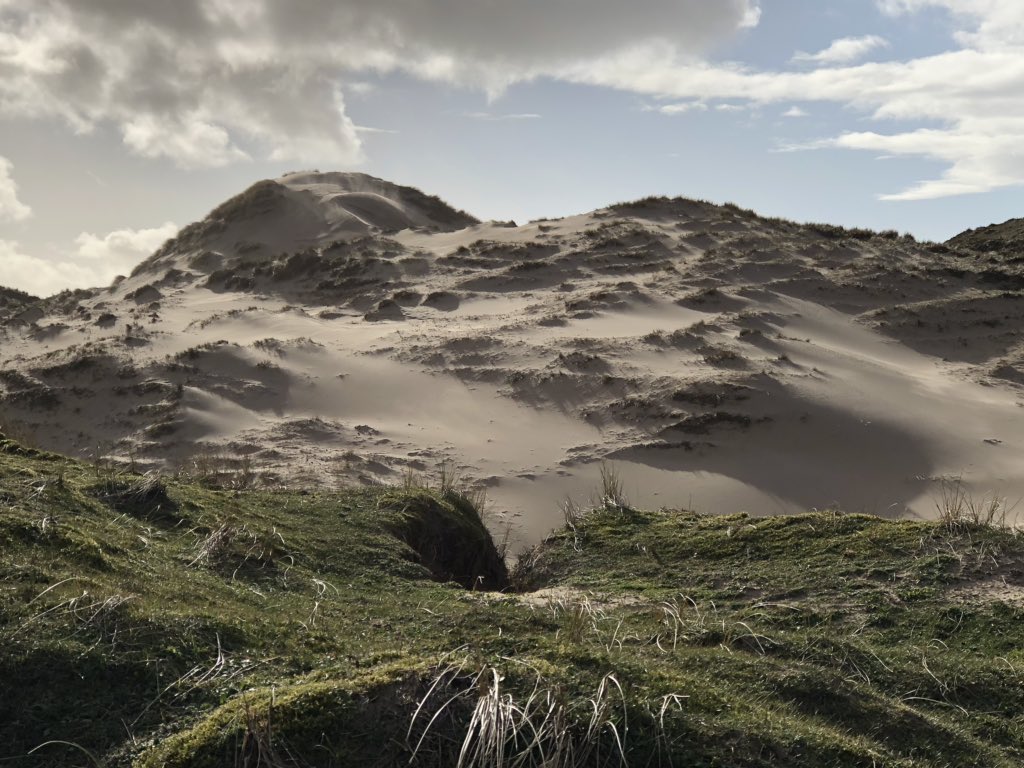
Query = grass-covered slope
x=1006 y=238
x=153 y=623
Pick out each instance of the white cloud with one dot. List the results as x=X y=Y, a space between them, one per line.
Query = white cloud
x=369 y=129
x=845 y=50
x=512 y=116
x=795 y=112
x=96 y=260
x=38 y=276
x=678 y=109
x=968 y=97
x=209 y=82
x=979 y=160
x=192 y=143
x=120 y=251
x=751 y=16
x=11 y=207
x=361 y=88
x=990 y=23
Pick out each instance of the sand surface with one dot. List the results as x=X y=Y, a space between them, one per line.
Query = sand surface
x=327 y=329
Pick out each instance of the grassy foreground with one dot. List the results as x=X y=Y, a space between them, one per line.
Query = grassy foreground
x=155 y=623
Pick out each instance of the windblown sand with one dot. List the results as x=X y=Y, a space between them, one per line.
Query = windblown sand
x=332 y=328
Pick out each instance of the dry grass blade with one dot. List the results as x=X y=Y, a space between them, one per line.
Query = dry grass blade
x=60 y=742
x=601 y=708
x=258 y=749
x=670 y=702
x=959 y=508
x=443 y=681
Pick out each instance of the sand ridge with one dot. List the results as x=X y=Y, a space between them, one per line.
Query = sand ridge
x=335 y=328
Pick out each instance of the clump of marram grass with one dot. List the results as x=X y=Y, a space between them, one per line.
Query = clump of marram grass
x=544 y=727
x=572 y=513
x=143 y=496
x=613 y=495
x=959 y=508
x=100 y=616
x=578 y=618
x=238 y=550
x=211 y=548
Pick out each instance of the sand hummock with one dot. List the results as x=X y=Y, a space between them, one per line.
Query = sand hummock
x=336 y=328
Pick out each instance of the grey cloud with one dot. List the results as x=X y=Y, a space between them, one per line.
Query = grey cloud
x=526 y=32
x=196 y=80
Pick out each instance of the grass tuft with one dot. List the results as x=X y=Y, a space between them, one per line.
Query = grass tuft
x=613 y=496
x=959 y=509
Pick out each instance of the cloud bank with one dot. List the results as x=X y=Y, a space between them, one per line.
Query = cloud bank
x=206 y=83
x=96 y=260
x=211 y=82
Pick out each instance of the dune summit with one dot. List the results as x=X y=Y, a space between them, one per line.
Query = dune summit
x=300 y=211
x=336 y=328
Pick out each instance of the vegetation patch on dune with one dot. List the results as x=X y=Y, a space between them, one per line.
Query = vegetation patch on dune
x=155 y=623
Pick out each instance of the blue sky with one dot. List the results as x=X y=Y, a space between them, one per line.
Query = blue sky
x=121 y=121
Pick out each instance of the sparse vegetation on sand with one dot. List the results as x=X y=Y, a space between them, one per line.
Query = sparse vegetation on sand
x=155 y=623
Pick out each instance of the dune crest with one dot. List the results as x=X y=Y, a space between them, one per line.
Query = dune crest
x=337 y=328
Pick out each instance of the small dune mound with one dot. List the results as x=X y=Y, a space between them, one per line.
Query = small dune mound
x=446 y=301
x=385 y=310
x=377 y=202
x=1006 y=238
x=146 y=294
x=712 y=299
x=206 y=261
x=30 y=315
x=371 y=708
x=407 y=298
x=11 y=298
x=297 y=212
x=14 y=448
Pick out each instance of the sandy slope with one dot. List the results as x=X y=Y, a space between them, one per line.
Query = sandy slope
x=336 y=328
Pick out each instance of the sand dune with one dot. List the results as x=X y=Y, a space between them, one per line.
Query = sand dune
x=337 y=328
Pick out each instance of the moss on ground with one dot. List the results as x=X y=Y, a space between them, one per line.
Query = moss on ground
x=154 y=623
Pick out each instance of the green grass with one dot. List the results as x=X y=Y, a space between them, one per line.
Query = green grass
x=155 y=623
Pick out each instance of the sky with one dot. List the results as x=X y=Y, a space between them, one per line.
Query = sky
x=124 y=120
